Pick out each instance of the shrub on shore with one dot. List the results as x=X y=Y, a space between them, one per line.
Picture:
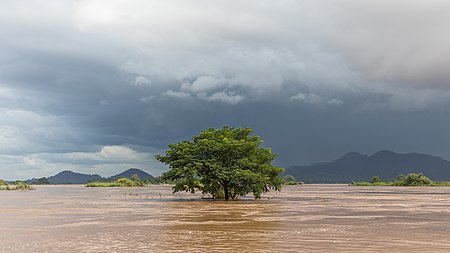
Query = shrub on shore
x=18 y=185
x=134 y=181
x=412 y=179
x=290 y=180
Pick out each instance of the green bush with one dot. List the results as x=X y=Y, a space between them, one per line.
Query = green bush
x=120 y=182
x=376 y=179
x=137 y=181
x=293 y=183
x=290 y=180
x=413 y=179
x=370 y=184
x=22 y=186
x=18 y=185
x=125 y=181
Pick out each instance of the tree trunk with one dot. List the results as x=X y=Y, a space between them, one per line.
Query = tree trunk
x=226 y=193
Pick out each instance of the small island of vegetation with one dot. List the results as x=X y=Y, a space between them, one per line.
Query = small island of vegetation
x=412 y=179
x=291 y=180
x=18 y=185
x=133 y=181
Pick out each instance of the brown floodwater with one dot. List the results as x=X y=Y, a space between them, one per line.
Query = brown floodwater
x=307 y=218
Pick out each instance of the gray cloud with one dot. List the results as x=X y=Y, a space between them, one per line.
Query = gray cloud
x=312 y=77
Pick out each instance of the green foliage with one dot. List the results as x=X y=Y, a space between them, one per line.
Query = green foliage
x=290 y=180
x=125 y=182
x=441 y=183
x=376 y=179
x=18 y=185
x=22 y=186
x=226 y=163
x=370 y=184
x=158 y=180
x=293 y=183
x=41 y=181
x=137 y=181
x=412 y=179
x=134 y=181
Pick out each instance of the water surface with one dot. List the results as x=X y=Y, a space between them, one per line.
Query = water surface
x=308 y=218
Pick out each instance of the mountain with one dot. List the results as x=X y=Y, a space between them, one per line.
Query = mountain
x=354 y=166
x=70 y=177
x=130 y=172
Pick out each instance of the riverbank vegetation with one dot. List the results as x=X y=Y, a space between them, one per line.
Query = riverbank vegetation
x=291 y=180
x=18 y=185
x=133 y=181
x=412 y=179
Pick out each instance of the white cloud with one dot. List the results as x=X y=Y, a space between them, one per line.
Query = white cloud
x=202 y=84
x=226 y=98
x=141 y=81
x=311 y=98
x=177 y=94
x=106 y=162
x=147 y=99
x=254 y=48
x=109 y=153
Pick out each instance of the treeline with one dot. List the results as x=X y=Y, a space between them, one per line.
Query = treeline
x=133 y=181
x=412 y=179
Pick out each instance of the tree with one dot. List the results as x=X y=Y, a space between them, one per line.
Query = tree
x=137 y=181
x=226 y=163
x=415 y=179
x=289 y=179
x=376 y=179
x=43 y=180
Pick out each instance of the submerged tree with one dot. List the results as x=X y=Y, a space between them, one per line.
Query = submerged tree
x=226 y=163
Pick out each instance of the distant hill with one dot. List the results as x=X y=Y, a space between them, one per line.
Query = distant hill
x=70 y=177
x=130 y=172
x=354 y=166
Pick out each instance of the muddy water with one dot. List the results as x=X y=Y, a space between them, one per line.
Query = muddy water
x=309 y=218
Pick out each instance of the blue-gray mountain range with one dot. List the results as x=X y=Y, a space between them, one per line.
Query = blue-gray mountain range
x=354 y=166
x=70 y=177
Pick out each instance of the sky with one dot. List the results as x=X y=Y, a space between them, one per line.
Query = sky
x=98 y=86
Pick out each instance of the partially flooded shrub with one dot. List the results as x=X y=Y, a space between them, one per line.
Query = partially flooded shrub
x=125 y=181
x=376 y=179
x=413 y=179
x=18 y=185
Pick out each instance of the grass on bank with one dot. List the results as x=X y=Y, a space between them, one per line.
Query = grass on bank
x=290 y=180
x=412 y=179
x=18 y=185
x=134 y=181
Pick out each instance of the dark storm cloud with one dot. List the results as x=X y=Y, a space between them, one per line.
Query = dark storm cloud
x=84 y=81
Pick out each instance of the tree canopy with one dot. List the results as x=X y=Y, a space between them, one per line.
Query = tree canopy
x=226 y=163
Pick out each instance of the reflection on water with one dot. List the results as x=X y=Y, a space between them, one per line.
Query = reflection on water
x=309 y=218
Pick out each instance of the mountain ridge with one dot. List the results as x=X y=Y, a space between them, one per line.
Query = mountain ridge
x=71 y=177
x=354 y=166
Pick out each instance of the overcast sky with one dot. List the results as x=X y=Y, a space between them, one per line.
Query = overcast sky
x=99 y=86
